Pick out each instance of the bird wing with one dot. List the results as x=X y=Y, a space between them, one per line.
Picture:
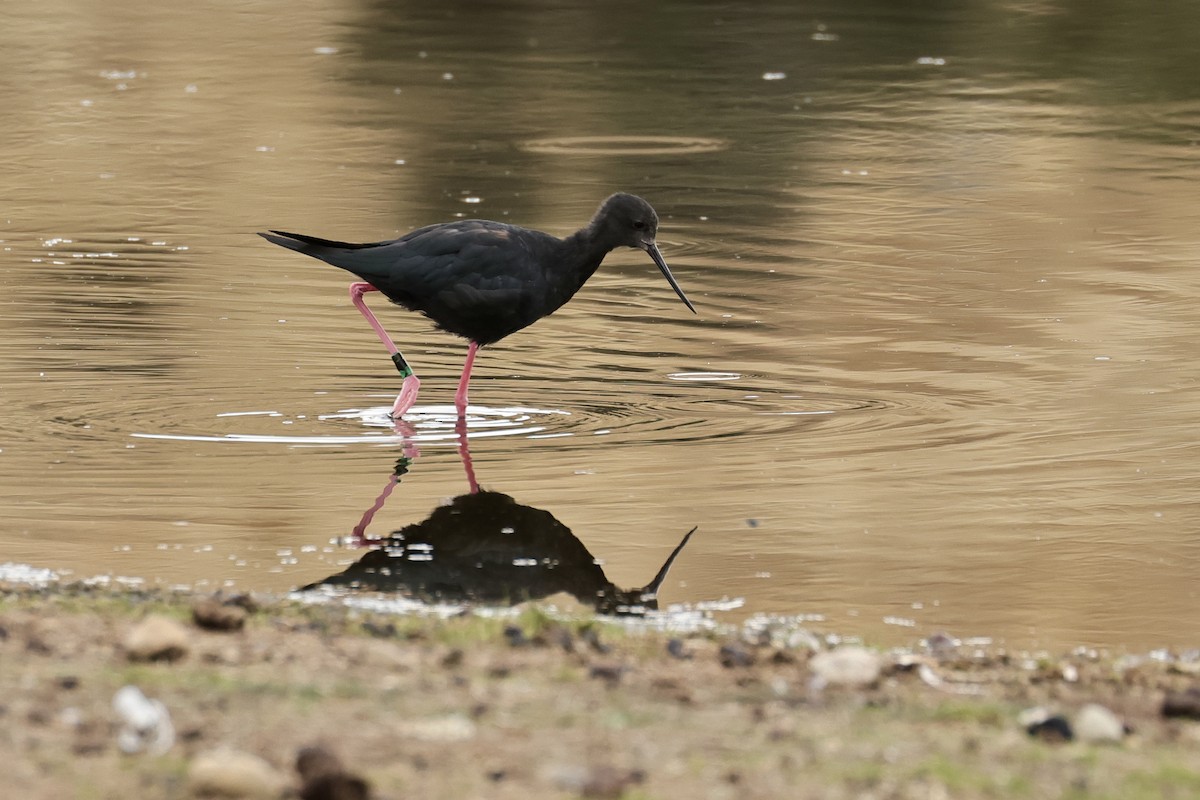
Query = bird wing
x=473 y=277
x=476 y=278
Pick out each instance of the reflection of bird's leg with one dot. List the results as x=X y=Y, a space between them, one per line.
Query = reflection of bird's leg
x=359 y=534
x=411 y=385
x=406 y=434
x=464 y=452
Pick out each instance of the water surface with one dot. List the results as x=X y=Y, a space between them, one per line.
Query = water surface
x=942 y=377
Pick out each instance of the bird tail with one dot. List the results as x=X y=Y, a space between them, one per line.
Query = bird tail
x=354 y=258
x=309 y=245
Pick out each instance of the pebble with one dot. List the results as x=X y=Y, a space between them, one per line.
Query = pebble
x=1051 y=729
x=1095 y=723
x=233 y=774
x=735 y=654
x=156 y=638
x=336 y=786
x=324 y=778
x=515 y=636
x=609 y=673
x=145 y=724
x=599 y=781
x=848 y=665
x=1183 y=705
x=678 y=650
x=313 y=762
x=942 y=646
x=213 y=615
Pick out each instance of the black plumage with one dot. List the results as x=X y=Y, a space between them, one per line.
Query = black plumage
x=485 y=280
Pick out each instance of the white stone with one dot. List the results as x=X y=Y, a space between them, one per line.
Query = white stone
x=848 y=665
x=156 y=637
x=1095 y=723
x=145 y=723
x=234 y=774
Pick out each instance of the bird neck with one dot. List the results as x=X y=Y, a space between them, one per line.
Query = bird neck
x=584 y=251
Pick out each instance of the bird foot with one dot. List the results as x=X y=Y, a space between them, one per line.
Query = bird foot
x=407 y=397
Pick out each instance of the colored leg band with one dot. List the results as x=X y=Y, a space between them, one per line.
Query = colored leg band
x=401 y=365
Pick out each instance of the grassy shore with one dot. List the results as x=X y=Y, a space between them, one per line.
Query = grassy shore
x=533 y=707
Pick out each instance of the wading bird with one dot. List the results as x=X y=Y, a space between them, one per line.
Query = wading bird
x=482 y=280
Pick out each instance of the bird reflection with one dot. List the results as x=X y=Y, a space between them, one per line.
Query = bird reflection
x=485 y=547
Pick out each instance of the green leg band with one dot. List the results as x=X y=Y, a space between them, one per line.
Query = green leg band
x=401 y=365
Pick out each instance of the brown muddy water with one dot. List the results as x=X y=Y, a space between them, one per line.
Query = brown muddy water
x=943 y=375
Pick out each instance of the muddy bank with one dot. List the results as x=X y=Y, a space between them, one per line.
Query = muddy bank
x=230 y=695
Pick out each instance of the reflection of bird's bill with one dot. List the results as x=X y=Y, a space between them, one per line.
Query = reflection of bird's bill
x=652 y=249
x=651 y=590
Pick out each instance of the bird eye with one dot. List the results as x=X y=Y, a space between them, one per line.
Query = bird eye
x=639 y=226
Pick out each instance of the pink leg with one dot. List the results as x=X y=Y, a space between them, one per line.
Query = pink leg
x=460 y=397
x=410 y=387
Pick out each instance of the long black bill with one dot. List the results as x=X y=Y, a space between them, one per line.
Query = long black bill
x=652 y=249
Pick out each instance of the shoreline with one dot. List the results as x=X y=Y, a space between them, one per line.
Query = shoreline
x=537 y=705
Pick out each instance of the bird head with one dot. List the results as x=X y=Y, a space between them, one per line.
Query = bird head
x=625 y=220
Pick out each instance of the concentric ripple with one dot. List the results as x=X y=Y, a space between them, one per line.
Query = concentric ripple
x=688 y=417
x=424 y=424
x=624 y=145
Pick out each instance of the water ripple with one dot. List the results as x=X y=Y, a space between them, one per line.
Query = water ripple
x=624 y=145
x=668 y=420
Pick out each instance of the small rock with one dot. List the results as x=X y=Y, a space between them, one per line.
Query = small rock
x=782 y=657
x=324 y=778
x=1051 y=729
x=848 y=665
x=337 y=786
x=601 y=782
x=677 y=650
x=942 y=646
x=1187 y=663
x=515 y=636
x=1095 y=723
x=233 y=774
x=609 y=673
x=243 y=600
x=215 y=616
x=1183 y=705
x=156 y=638
x=735 y=654
x=145 y=724
x=312 y=762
